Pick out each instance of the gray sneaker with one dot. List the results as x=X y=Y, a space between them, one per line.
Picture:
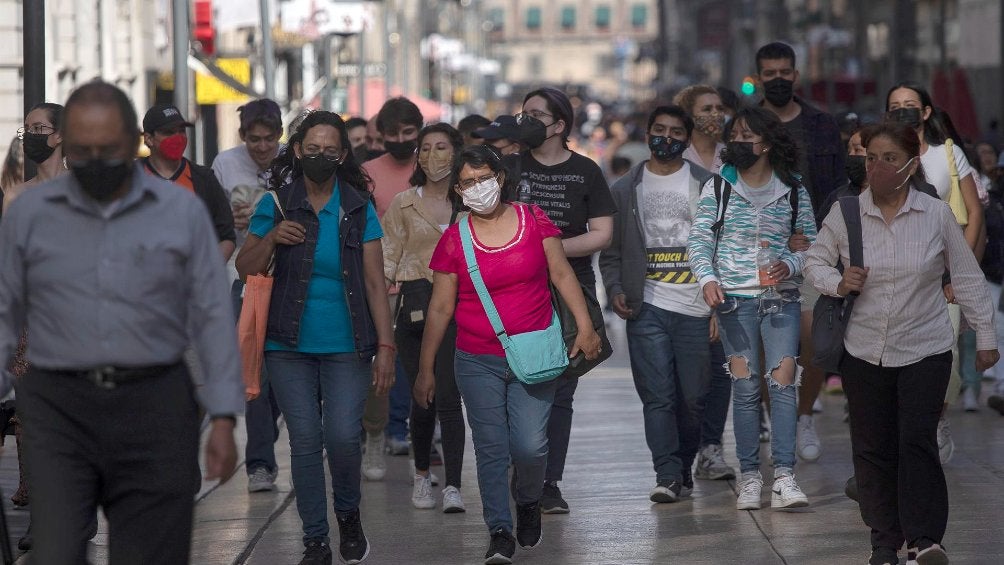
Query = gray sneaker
x=711 y=464
x=261 y=479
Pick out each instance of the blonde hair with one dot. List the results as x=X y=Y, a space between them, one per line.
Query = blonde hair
x=687 y=97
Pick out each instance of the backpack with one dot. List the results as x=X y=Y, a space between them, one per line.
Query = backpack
x=722 y=198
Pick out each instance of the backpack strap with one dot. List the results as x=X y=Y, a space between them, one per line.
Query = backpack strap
x=793 y=200
x=722 y=195
x=850 y=207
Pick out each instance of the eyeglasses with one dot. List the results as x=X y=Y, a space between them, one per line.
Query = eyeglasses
x=335 y=154
x=36 y=129
x=535 y=114
x=469 y=183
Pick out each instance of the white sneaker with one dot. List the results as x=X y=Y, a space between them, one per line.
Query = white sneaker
x=971 y=399
x=749 y=491
x=946 y=446
x=817 y=406
x=806 y=440
x=261 y=480
x=374 y=466
x=421 y=493
x=711 y=464
x=786 y=494
x=452 y=501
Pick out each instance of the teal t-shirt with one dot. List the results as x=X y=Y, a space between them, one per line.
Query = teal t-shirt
x=325 y=326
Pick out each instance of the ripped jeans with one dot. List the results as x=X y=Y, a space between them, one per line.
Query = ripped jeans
x=743 y=330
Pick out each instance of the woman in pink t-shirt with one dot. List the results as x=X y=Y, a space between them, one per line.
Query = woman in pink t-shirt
x=518 y=251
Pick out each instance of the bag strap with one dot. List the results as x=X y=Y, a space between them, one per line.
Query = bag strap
x=722 y=195
x=850 y=207
x=793 y=200
x=271 y=262
x=953 y=169
x=275 y=198
x=479 y=282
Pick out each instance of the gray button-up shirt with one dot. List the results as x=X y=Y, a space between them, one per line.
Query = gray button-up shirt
x=118 y=286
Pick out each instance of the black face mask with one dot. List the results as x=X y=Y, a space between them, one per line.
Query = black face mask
x=740 y=154
x=778 y=91
x=401 y=150
x=101 y=178
x=36 y=147
x=319 y=168
x=905 y=116
x=666 y=148
x=855 y=168
x=361 y=153
x=532 y=131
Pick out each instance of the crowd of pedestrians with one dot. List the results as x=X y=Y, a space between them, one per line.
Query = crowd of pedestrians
x=404 y=254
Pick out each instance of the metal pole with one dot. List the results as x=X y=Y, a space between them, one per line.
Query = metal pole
x=180 y=25
x=33 y=40
x=268 y=54
x=329 y=83
x=362 y=73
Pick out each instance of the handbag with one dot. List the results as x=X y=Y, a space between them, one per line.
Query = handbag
x=955 y=200
x=832 y=313
x=413 y=303
x=252 y=323
x=534 y=357
x=579 y=365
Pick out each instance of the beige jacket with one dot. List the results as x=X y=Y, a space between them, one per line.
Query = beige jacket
x=410 y=237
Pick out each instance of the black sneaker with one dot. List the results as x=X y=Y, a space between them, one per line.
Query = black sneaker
x=883 y=556
x=551 y=501
x=687 y=484
x=317 y=552
x=665 y=491
x=353 y=546
x=501 y=548
x=926 y=551
x=528 y=525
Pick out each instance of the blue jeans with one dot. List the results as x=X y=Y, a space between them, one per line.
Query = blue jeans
x=743 y=331
x=669 y=361
x=323 y=398
x=508 y=421
x=261 y=415
x=716 y=407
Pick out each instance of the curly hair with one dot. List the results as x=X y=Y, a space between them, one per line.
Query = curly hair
x=784 y=151
x=286 y=168
x=687 y=97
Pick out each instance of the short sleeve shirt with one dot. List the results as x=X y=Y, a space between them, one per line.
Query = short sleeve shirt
x=516 y=277
x=935 y=162
x=325 y=326
x=571 y=193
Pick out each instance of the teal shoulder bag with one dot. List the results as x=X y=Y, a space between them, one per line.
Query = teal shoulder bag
x=534 y=357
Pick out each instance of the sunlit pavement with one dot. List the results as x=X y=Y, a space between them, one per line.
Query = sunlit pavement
x=607 y=479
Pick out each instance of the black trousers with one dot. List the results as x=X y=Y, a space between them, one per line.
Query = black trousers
x=132 y=450
x=894 y=415
x=447 y=404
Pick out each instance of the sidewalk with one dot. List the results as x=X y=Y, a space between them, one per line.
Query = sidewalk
x=607 y=480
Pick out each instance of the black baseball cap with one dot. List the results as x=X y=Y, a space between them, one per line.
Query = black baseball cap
x=504 y=127
x=163 y=115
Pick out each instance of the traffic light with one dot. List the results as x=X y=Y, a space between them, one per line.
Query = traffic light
x=749 y=86
x=205 y=33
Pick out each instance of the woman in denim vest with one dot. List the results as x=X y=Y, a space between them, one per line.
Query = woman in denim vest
x=757 y=305
x=329 y=329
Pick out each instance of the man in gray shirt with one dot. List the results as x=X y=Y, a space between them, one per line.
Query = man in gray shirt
x=109 y=267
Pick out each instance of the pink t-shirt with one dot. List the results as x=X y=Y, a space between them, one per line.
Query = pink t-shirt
x=389 y=177
x=516 y=276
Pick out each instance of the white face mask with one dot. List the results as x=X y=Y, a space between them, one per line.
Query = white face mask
x=483 y=197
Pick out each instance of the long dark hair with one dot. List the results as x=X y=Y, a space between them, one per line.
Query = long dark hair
x=286 y=168
x=934 y=132
x=478 y=156
x=456 y=140
x=783 y=154
x=904 y=137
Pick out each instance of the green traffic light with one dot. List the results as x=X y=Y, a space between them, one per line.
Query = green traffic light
x=748 y=88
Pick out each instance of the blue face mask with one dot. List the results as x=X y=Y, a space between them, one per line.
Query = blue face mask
x=666 y=148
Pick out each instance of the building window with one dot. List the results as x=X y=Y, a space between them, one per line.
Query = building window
x=603 y=17
x=568 y=18
x=639 y=16
x=533 y=19
x=497 y=17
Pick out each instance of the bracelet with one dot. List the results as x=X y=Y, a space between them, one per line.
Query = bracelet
x=388 y=346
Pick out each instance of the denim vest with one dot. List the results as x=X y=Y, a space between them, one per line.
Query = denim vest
x=294 y=265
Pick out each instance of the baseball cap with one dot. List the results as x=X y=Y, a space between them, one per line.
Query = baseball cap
x=163 y=115
x=504 y=127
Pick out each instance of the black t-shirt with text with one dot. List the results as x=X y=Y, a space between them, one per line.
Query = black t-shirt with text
x=570 y=193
